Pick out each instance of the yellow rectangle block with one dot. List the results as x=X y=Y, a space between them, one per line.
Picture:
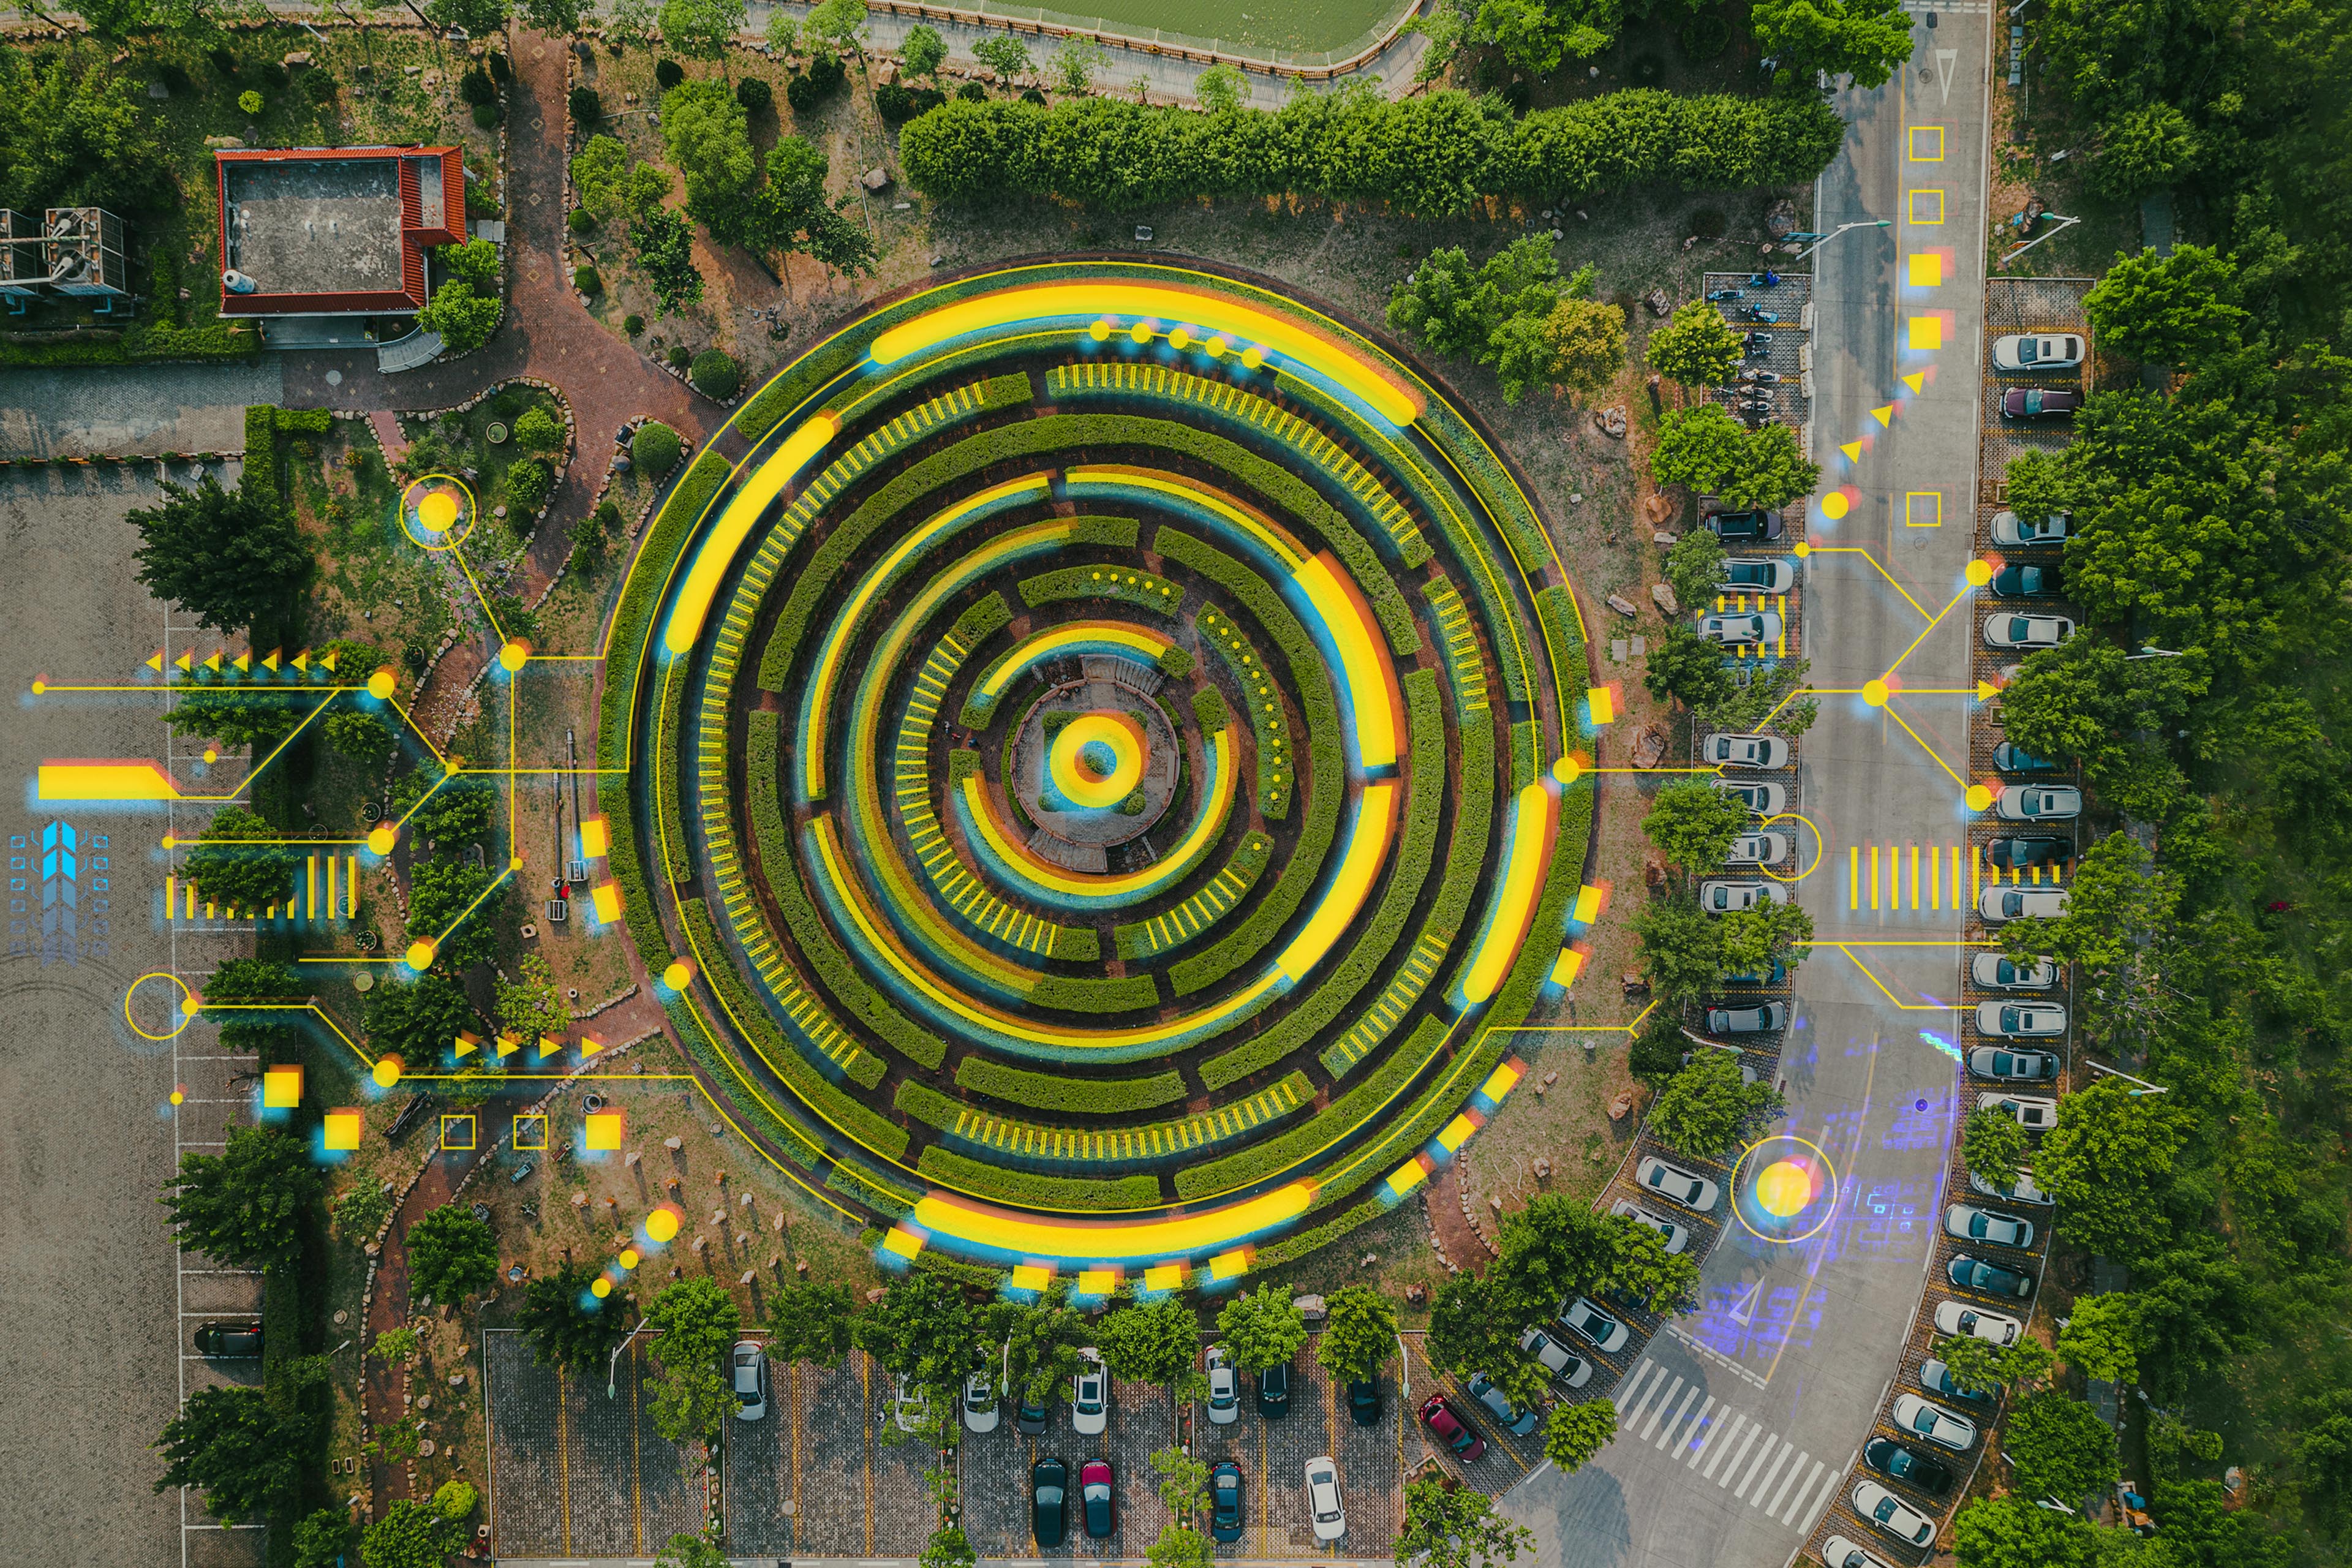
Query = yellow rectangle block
x=105 y=781
x=605 y=899
x=593 y=840
x=1456 y=1133
x=1164 y=1276
x=1566 y=967
x=1097 y=1281
x=1227 y=1266
x=606 y=1129
x=1032 y=1277
x=1406 y=1177
x=1501 y=1081
x=903 y=1242
x=1603 y=705
x=1926 y=270
x=1587 y=904
x=1927 y=332
x=341 y=1129
x=281 y=1087
x=351 y=887
x=171 y=909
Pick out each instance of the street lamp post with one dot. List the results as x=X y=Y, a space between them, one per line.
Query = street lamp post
x=2150 y=650
x=613 y=1364
x=1858 y=222
x=2144 y=1087
x=2063 y=225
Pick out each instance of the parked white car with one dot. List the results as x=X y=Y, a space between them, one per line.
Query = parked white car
x=1746 y=751
x=1676 y=1236
x=1323 y=1502
x=1756 y=574
x=1723 y=898
x=1837 y=1552
x=2037 y=803
x=1999 y=906
x=1090 y=1395
x=2037 y=351
x=2021 y=1191
x=1734 y=629
x=750 y=1361
x=2014 y=531
x=1975 y=1323
x=1758 y=850
x=2034 y=1112
x=1995 y=972
x=1572 y=1368
x=1675 y=1185
x=2020 y=1020
x=2027 y=631
x=1589 y=1323
x=1763 y=799
x=1892 y=1515
x=1757 y=1020
x=1918 y=1417
x=979 y=1407
x=1970 y=1223
x=1225 y=1389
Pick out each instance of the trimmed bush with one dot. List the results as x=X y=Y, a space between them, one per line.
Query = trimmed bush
x=632 y=323
x=529 y=484
x=668 y=73
x=715 y=374
x=584 y=278
x=754 y=94
x=476 y=88
x=486 y=116
x=1043 y=1192
x=655 y=448
x=1369 y=1099
x=579 y=220
x=1061 y=1092
x=502 y=67
x=1209 y=710
x=584 y=105
x=1174 y=662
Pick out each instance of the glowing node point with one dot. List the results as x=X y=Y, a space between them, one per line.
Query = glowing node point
x=1784 y=1188
x=677 y=975
x=211 y=755
x=600 y=1287
x=1980 y=797
x=513 y=656
x=436 y=511
x=177 y=1096
x=1179 y=339
x=628 y=1258
x=386 y=1071
x=191 y=1007
x=169 y=841
x=661 y=1225
x=1141 y=333
x=380 y=840
x=1874 y=692
x=1216 y=348
x=39 y=686
x=420 y=955
x=1099 y=332
x=1834 y=505
x=379 y=685
x=515 y=863
x=1979 y=573
x=1253 y=357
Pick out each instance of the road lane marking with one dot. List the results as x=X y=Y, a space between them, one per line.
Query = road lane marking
x=1660 y=1413
x=1703 y=1434
x=1786 y=1486
x=1769 y=1443
x=1666 y=1438
x=1803 y=1492
x=1692 y=1430
x=1787 y=1449
x=1738 y=1421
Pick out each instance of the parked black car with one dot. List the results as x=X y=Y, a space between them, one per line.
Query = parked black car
x=1274 y=1391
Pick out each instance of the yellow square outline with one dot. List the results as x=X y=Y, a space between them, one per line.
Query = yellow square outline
x=521 y=1147
x=1911 y=145
x=1910 y=496
x=1911 y=205
x=473 y=1132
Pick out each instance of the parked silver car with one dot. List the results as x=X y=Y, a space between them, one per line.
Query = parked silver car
x=2037 y=351
x=2014 y=531
x=1926 y=1418
x=1763 y=799
x=2027 y=631
x=1746 y=751
x=2021 y=1191
x=2000 y=905
x=1892 y=1515
x=1756 y=574
x=2037 y=803
x=1225 y=1389
x=749 y=1364
x=1723 y=898
x=1970 y=1223
x=2035 y=1113
x=1675 y=1185
x=1587 y=1322
x=1758 y=850
x=2020 y=1020
x=1756 y=1020
x=1996 y=973
x=1734 y=629
x=1975 y=1323
x=1571 y=1370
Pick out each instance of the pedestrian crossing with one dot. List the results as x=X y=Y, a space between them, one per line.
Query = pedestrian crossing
x=1675 y=1416
x=1898 y=876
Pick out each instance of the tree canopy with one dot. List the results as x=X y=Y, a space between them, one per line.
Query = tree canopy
x=1262 y=1327
x=229 y=558
x=1456 y=1527
x=1704 y=1108
x=1359 y=1328
x=1696 y=347
x=1693 y=824
x=812 y=1321
x=245 y=1451
x=242 y=1205
x=451 y=1255
x=567 y=1325
x=239 y=862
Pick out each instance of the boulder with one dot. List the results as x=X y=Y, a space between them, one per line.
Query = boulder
x=1623 y=606
x=876 y=178
x=1650 y=746
x=1663 y=595
x=1610 y=421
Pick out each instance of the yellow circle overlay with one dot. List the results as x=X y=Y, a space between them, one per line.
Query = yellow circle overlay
x=380 y=684
x=628 y=1258
x=1141 y=333
x=600 y=1287
x=1980 y=797
x=513 y=656
x=420 y=955
x=436 y=511
x=1123 y=734
x=677 y=975
x=211 y=755
x=1876 y=693
x=1979 y=573
x=1803 y=549
x=177 y=1096
x=39 y=686
x=1099 y=332
x=1253 y=357
x=1834 y=505
x=380 y=840
x=1783 y=1188
x=386 y=1071
x=661 y=1225
x=1803 y=871
x=189 y=1006
x=1781 y=1191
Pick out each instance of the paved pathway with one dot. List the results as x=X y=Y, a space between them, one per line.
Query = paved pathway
x=127 y=410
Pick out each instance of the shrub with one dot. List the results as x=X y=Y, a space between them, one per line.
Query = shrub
x=1059 y=1091
x=715 y=374
x=580 y=221
x=529 y=484
x=632 y=323
x=273 y=74
x=249 y=101
x=754 y=94
x=900 y=103
x=585 y=105
x=655 y=448
x=502 y=67
x=668 y=73
x=476 y=88
x=224 y=61
x=1209 y=707
x=972 y=92
x=681 y=356
x=486 y=116
x=586 y=280
x=538 y=430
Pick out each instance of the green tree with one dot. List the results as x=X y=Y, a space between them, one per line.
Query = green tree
x=924 y=1327
x=2109 y=1165
x=1682 y=950
x=1755 y=939
x=538 y=430
x=531 y=1005
x=1042 y=1342
x=698 y=1320
x=1773 y=469
x=1220 y=88
x=1864 y=38
x=2181 y=309
x=707 y=136
x=1450 y=1526
x=228 y=559
x=1075 y=63
x=446 y=907
x=700 y=30
x=922 y=51
x=322 y=1538
x=239 y=862
x=244 y=1206
x=838 y=25
x=1183 y=1482
x=1442 y=303
x=419 y=1020
x=1359 y=1330
x=237 y=715
x=1994 y=1144
x=1473 y=1327
x=2011 y=1532
x=476 y=261
x=598 y=171
x=463 y=319
x=451 y=1255
x=247 y=1454
x=480 y=19
x=691 y=1404
x=556 y=18
x=1152 y=1341
x=411 y=1534
x=1694 y=567
x=1579 y=346
x=1705 y=1109
x=364 y=738
x=2059 y=1446
x=1981 y=1364
x=1005 y=54
x=2194 y=1305
x=1178 y=1547
x=2102 y=1337
x=1261 y=1329
x=1695 y=348
x=565 y=1324
x=1684 y=665
x=1768 y=693
x=455 y=1500
x=813 y=1322
x=783 y=32
x=949 y=1547
x=2146 y=149
x=1574 y=1432
x=1702 y=448
x=1693 y=824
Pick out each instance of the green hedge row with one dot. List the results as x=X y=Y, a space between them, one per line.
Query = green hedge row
x=1210 y=710
x=260 y=479
x=1312 y=681
x=963 y=763
x=140 y=343
x=986 y=618
x=1249 y=861
x=929 y=1106
x=1277 y=772
x=827 y=1098
x=1079 y=1096
x=1078 y=944
x=1428 y=156
x=1140 y=589
x=1343 y=1116
x=1095 y=994
x=1557 y=610
x=1174 y=662
x=1527 y=752
x=863 y=1186
x=1331 y=995
x=1474 y=821
x=811 y=936
x=1028 y=1187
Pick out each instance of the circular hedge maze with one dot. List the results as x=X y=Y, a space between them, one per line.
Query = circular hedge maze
x=1103 y=771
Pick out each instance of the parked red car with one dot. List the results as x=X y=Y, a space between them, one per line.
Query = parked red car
x=1452 y=1430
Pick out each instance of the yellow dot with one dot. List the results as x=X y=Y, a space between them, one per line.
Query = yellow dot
x=1979 y=573
x=1179 y=339
x=169 y=841
x=661 y=1225
x=177 y=1096
x=380 y=840
x=677 y=975
x=1141 y=333
x=1834 y=505
x=39 y=686
x=386 y=1071
x=515 y=863
x=211 y=755
x=628 y=1258
x=1874 y=692
x=601 y=1287
x=1568 y=770
x=1253 y=356
x=1784 y=1187
x=1215 y=348
x=1980 y=797
x=1099 y=332
x=1803 y=549
x=380 y=685
x=420 y=955
x=436 y=511
x=190 y=1006
x=513 y=656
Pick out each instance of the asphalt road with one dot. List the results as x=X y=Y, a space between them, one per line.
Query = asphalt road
x=1745 y=1415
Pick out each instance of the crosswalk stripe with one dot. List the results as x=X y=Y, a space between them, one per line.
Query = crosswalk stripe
x=1802 y=1493
x=1666 y=1438
x=1641 y=1369
x=1696 y=1423
x=1745 y=1443
x=1704 y=1436
x=1762 y=1454
x=1660 y=1413
x=1787 y=1450
x=1788 y=1485
x=1829 y=1484
x=1724 y=1447
x=1635 y=1413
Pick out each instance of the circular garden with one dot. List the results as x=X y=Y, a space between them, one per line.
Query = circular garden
x=1105 y=767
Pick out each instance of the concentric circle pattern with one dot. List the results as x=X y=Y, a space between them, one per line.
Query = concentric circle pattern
x=1103 y=742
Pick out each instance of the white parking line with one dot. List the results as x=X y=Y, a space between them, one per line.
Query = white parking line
x=1668 y=1441
x=1788 y=1485
x=1660 y=1413
x=1738 y=1421
x=1762 y=1454
x=1666 y=1438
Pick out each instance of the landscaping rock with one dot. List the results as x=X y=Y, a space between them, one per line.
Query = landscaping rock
x=1610 y=421
x=1649 y=746
x=876 y=178
x=1621 y=1105
x=1663 y=595
x=1622 y=606
x=223 y=143
x=1659 y=305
